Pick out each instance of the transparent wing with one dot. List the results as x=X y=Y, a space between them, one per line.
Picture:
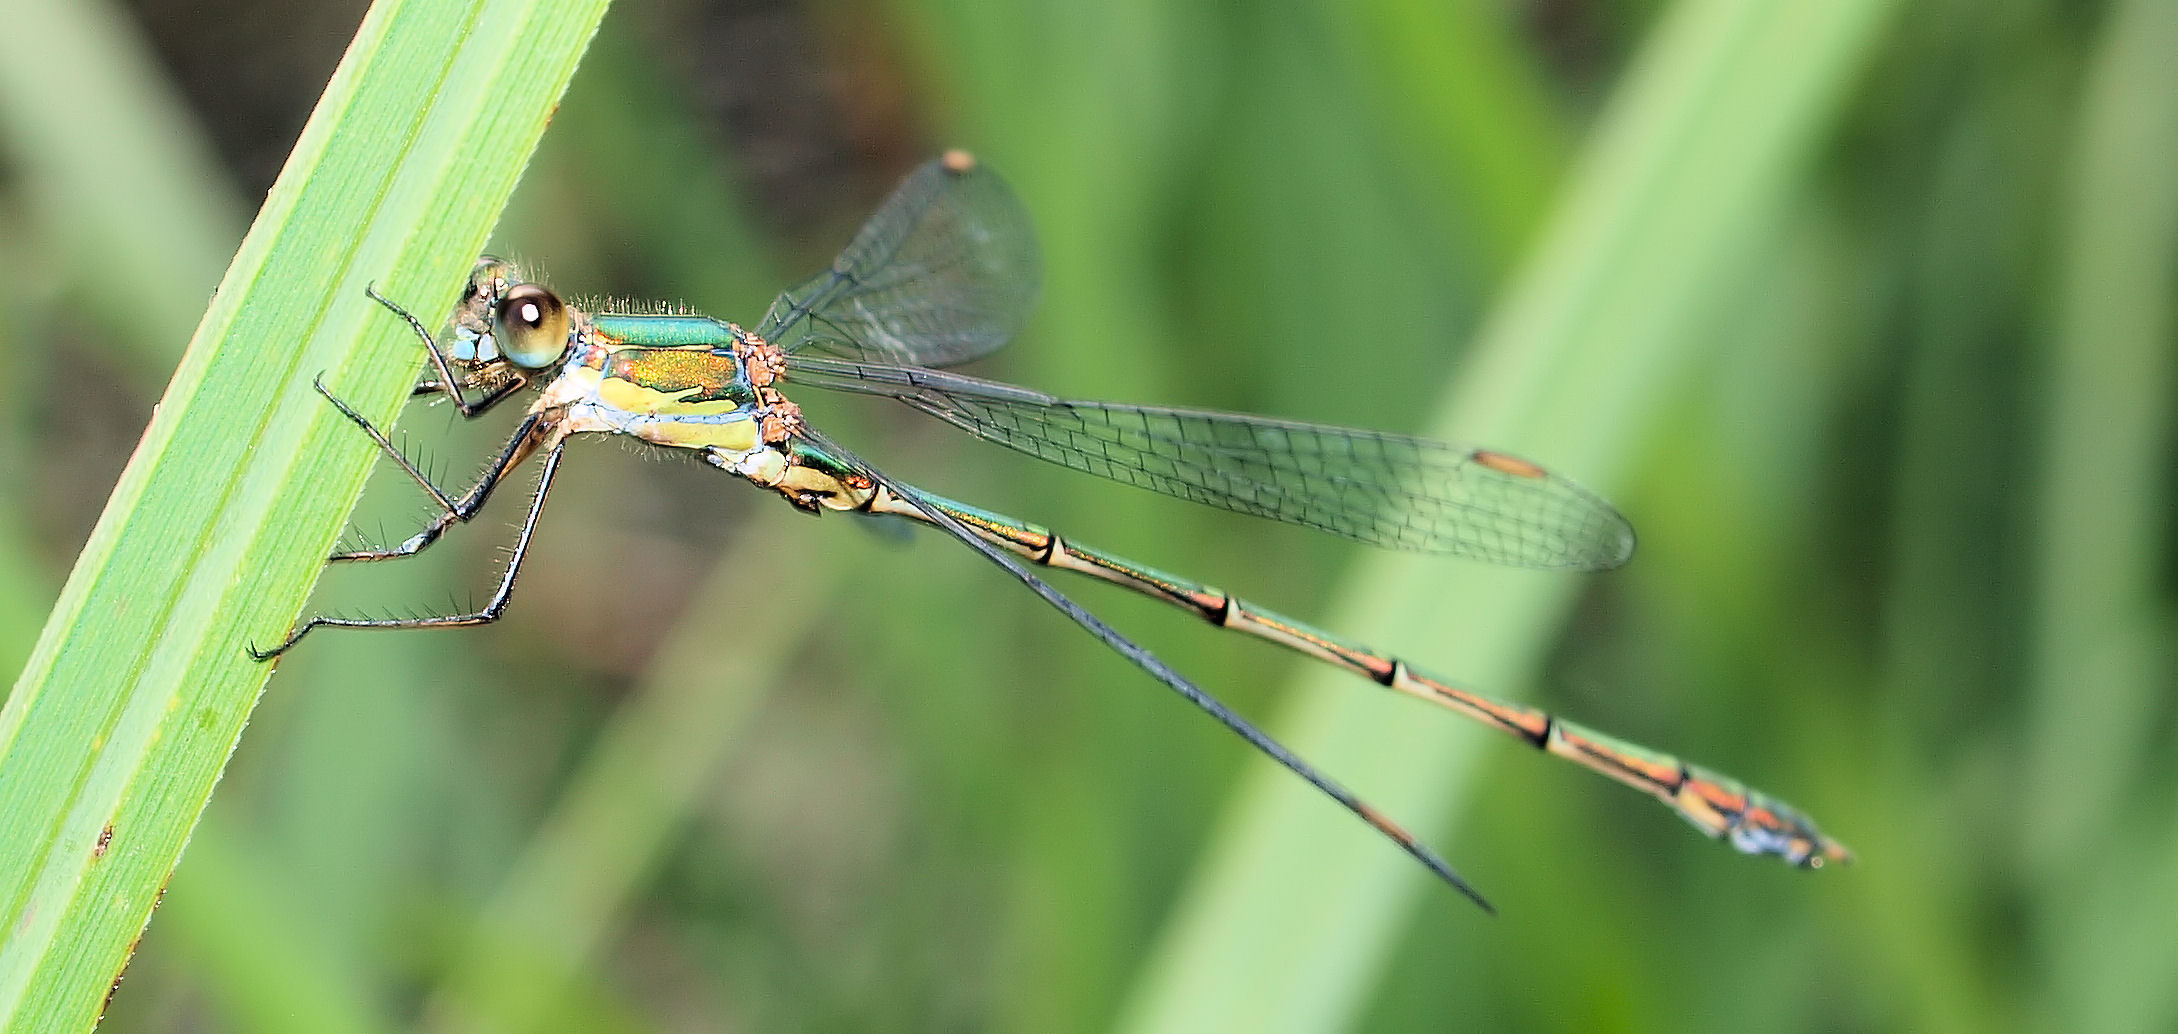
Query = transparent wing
x=939 y=515
x=946 y=271
x=1383 y=489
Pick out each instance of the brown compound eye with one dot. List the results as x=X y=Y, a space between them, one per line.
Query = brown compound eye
x=531 y=326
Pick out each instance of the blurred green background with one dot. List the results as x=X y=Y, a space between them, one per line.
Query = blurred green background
x=725 y=768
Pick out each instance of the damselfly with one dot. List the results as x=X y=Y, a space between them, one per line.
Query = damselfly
x=946 y=272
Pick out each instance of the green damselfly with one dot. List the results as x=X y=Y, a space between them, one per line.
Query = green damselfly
x=946 y=272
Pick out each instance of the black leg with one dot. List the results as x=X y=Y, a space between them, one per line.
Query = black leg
x=491 y=611
x=435 y=386
x=527 y=436
x=450 y=510
x=446 y=383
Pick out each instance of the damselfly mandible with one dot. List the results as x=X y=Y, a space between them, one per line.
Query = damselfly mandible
x=945 y=272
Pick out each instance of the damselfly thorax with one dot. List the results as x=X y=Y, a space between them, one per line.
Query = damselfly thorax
x=716 y=394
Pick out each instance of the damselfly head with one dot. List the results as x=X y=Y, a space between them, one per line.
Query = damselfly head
x=504 y=319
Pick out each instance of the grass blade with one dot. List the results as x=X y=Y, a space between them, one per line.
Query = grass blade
x=1292 y=914
x=143 y=201
x=628 y=804
x=139 y=687
x=2103 y=638
x=2101 y=672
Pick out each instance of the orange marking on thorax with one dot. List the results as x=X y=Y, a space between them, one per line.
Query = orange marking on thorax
x=765 y=361
x=782 y=420
x=593 y=347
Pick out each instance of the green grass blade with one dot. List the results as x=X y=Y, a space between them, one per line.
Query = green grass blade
x=2104 y=632
x=645 y=775
x=139 y=687
x=233 y=904
x=2101 y=673
x=141 y=201
x=1290 y=918
x=1475 y=110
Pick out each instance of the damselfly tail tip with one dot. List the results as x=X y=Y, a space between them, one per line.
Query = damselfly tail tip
x=1767 y=826
x=1831 y=852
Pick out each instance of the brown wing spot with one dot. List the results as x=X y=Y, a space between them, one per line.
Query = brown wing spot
x=959 y=162
x=1513 y=465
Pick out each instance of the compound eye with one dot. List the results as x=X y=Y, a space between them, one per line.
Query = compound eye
x=532 y=327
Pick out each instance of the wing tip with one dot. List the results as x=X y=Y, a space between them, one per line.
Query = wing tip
x=1619 y=547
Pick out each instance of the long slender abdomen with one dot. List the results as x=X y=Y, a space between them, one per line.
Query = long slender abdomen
x=1719 y=806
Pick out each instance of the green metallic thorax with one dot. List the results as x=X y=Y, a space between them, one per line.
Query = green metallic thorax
x=666 y=330
x=693 y=382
